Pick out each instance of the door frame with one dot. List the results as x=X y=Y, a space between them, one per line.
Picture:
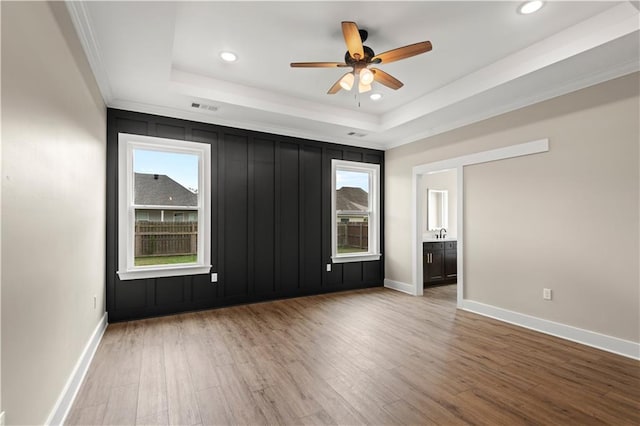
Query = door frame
x=458 y=163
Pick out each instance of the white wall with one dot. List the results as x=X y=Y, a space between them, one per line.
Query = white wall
x=53 y=206
x=446 y=180
x=537 y=221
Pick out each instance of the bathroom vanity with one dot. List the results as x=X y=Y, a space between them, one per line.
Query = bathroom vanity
x=440 y=261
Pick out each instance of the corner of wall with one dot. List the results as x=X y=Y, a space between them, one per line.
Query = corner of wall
x=399 y=286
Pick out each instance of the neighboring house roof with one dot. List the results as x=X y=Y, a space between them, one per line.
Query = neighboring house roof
x=161 y=190
x=352 y=199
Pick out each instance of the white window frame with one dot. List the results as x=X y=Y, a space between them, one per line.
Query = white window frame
x=373 y=170
x=127 y=143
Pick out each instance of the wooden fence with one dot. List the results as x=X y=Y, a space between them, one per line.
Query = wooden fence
x=165 y=238
x=353 y=235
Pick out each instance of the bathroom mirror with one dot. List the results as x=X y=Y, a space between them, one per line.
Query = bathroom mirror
x=437 y=209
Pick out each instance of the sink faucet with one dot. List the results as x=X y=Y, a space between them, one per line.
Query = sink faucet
x=441 y=231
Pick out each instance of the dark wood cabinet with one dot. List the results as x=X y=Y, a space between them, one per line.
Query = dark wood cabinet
x=440 y=265
x=451 y=260
x=433 y=261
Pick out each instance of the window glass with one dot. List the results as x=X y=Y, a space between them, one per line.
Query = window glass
x=162 y=182
x=352 y=209
x=165 y=178
x=166 y=242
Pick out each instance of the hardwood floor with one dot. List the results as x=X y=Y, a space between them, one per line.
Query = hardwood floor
x=363 y=357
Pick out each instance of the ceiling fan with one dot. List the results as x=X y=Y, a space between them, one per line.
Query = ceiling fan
x=360 y=57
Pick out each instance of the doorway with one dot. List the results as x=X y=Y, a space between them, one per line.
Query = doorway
x=419 y=204
x=439 y=231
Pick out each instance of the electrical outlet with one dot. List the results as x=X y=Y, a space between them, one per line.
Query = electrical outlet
x=328 y=267
x=546 y=293
x=214 y=277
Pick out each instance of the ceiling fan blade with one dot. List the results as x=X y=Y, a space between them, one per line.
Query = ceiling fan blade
x=335 y=88
x=403 y=52
x=318 y=64
x=353 y=40
x=386 y=79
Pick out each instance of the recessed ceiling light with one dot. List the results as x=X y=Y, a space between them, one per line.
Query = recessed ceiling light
x=375 y=96
x=530 y=7
x=228 y=56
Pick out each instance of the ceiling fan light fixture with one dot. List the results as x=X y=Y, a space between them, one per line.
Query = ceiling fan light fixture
x=228 y=56
x=346 y=82
x=363 y=88
x=530 y=7
x=366 y=76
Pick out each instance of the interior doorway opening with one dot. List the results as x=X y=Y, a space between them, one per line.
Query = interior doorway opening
x=458 y=164
x=439 y=227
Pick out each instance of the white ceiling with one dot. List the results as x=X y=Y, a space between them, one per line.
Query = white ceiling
x=487 y=59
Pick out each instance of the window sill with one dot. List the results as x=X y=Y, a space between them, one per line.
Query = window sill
x=345 y=258
x=171 y=271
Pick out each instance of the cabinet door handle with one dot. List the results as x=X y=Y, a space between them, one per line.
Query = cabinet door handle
x=429 y=258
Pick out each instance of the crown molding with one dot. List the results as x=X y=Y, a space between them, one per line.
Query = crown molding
x=82 y=23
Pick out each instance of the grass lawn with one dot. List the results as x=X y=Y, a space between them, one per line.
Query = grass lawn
x=343 y=250
x=165 y=260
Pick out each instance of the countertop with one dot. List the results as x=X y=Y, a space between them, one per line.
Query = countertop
x=438 y=240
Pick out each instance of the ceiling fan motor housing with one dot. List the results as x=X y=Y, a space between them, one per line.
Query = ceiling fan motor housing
x=368 y=54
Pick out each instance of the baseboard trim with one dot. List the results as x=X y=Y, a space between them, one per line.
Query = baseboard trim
x=615 y=345
x=60 y=411
x=400 y=286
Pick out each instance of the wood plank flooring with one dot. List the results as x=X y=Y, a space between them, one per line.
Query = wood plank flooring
x=372 y=356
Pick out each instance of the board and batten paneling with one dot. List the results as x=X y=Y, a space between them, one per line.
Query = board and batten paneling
x=271 y=224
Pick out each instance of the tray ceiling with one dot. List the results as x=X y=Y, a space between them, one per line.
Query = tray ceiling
x=487 y=59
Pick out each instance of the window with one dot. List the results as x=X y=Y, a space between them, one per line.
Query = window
x=355 y=207
x=164 y=207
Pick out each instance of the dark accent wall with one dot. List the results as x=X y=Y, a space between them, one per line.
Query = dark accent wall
x=270 y=224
